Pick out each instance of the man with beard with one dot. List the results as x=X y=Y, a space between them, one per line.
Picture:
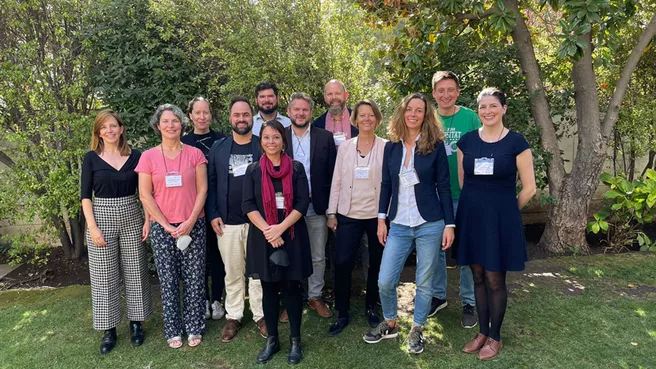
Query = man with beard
x=337 y=119
x=315 y=148
x=267 y=100
x=228 y=160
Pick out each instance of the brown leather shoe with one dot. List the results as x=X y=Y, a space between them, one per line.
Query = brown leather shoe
x=475 y=345
x=322 y=309
x=230 y=330
x=490 y=350
x=283 y=317
x=261 y=325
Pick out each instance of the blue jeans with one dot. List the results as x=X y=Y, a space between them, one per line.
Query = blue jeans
x=440 y=278
x=400 y=242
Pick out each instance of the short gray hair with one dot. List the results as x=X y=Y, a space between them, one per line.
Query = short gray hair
x=301 y=96
x=154 y=120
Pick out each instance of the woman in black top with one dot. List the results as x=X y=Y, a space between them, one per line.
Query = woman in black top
x=203 y=137
x=275 y=199
x=115 y=231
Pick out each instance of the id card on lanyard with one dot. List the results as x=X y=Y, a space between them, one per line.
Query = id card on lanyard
x=280 y=201
x=173 y=178
x=484 y=166
x=408 y=176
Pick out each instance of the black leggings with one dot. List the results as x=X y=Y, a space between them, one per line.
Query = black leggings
x=491 y=300
x=214 y=268
x=291 y=294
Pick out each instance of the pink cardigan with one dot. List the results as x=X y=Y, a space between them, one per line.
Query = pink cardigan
x=341 y=189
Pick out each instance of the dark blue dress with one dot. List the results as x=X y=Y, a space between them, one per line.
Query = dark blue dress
x=488 y=223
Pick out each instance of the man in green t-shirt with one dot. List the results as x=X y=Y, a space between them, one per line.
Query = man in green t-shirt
x=457 y=120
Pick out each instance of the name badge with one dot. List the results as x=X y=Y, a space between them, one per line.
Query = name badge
x=484 y=166
x=448 y=148
x=361 y=172
x=239 y=170
x=173 y=180
x=280 y=201
x=409 y=178
x=339 y=138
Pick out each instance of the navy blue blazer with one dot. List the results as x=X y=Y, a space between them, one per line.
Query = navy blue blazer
x=323 y=154
x=216 y=204
x=433 y=173
x=321 y=123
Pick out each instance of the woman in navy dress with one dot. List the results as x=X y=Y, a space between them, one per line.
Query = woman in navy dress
x=488 y=223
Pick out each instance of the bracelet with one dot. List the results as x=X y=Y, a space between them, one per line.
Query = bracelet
x=331 y=216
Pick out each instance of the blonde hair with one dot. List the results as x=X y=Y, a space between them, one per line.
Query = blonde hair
x=377 y=114
x=431 y=128
x=97 y=143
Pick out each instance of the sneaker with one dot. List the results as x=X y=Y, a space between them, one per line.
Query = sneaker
x=469 y=319
x=416 y=340
x=217 y=311
x=208 y=313
x=383 y=331
x=437 y=305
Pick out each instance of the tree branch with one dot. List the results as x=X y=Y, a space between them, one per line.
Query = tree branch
x=473 y=17
x=612 y=114
x=6 y=160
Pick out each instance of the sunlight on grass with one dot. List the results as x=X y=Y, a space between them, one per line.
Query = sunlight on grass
x=640 y=312
x=28 y=318
x=652 y=334
x=599 y=273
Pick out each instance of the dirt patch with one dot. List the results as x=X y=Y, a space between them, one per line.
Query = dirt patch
x=57 y=272
x=638 y=291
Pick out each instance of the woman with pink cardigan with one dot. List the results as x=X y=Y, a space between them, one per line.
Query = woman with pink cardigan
x=353 y=210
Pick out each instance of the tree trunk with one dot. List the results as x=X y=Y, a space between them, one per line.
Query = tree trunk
x=64 y=238
x=650 y=162
x=77 y=233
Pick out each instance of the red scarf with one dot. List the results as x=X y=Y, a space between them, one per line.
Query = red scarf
x=269 y=193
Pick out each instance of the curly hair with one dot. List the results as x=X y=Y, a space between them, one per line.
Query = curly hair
x=431 y=128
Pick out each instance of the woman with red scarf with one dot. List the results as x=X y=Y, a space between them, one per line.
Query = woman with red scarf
x=275 y=199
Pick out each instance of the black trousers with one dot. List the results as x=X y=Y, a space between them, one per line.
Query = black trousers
x=214 y=268
x=348 y=235
x=291 y=293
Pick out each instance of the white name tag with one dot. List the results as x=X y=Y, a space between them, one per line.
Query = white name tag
x=339 y=138
x=361 y=172
x=239 y=170
x=280 y=201
x=173 y=180
x=449 y=150
x=409 y=178
x=484 y=166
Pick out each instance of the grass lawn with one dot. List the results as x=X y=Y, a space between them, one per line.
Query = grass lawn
x=570 y=312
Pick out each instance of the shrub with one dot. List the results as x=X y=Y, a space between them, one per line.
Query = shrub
x=24 y=248
x=628 y=207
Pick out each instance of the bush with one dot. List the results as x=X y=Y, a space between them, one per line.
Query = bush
x=628 y=207
x=24 y=248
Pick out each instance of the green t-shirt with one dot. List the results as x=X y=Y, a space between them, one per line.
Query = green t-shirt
x=455 y=126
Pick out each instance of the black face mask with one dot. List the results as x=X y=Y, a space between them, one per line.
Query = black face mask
x=279 y=258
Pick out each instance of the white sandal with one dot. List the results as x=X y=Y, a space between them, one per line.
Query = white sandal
x=175 y=342
x=193 y=337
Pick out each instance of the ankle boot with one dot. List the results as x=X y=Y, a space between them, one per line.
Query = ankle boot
x=136 y=334
x=271 y=346
x=108 y=341
x=295 y=351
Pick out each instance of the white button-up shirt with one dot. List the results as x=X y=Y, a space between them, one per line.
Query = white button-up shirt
x=407 y=213
x=301 y=149
x=258 y=120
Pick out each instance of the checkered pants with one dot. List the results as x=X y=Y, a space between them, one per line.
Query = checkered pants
x=121 y=221
x=174 y=266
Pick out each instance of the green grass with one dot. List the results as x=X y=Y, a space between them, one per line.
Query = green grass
x=605 y=326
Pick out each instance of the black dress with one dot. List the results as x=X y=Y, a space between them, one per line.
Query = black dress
x=489 y=225
x=258 y=265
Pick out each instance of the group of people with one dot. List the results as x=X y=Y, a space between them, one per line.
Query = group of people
x=260 y=205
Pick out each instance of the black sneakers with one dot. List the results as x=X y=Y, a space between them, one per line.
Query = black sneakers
x=436 y=305
x=416 y=341
x=383 y=331
x=469 y=319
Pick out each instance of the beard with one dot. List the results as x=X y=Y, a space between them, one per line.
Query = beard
x=267 y=111
x=242 y=131
x=336 y=109
x=293 y=120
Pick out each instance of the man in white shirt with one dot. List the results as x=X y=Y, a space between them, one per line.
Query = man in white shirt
x=267 y=100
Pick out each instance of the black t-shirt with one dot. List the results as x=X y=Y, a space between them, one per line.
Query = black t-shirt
x=203 y=142
x=240 y=157
x=100 y=179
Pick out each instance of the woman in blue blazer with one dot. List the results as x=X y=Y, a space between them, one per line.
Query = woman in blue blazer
x=416 y=198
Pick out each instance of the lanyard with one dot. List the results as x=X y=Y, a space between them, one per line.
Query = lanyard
x=480 y=146
x=300 y=143
x=357 y=152
x=411 y=165
x=164 y=157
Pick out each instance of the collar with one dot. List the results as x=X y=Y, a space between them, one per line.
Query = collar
x=259 y=116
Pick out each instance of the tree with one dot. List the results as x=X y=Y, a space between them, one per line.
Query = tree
x=587 y=30
x=45 y=101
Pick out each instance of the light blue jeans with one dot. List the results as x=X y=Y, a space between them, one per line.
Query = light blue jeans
x=440 y=277
x=400 y=242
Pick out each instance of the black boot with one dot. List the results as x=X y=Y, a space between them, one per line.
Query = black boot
x=295 y=352
x=136 y=334
x=271 y=346
x=108 y=341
